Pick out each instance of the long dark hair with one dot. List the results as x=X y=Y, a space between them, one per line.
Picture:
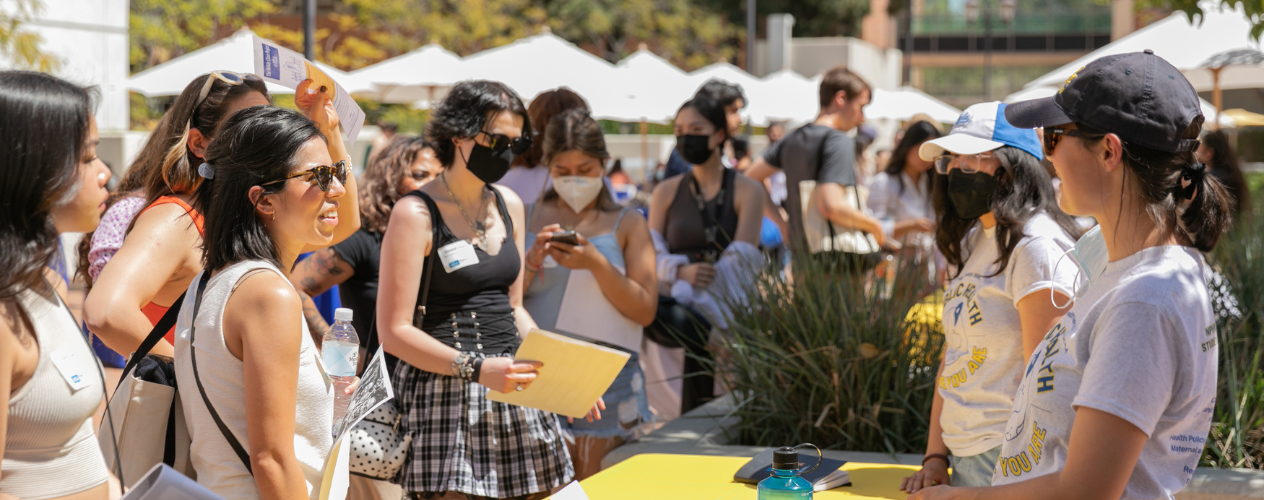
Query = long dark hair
x=169 y=166
x=543 y=108
x=576 y=130
x=258 y=145
x=1024 y=189
x=1225 y=166
x=379 y=187
x=914 y=136
x=466 y=109
x=1159 y=178
x=44 y=123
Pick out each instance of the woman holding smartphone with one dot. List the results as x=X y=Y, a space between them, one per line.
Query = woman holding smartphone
x=1117 y=399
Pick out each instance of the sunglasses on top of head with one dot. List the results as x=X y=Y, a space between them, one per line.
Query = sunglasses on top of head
x=501 y=142
x=322 y=176
x=231 y=78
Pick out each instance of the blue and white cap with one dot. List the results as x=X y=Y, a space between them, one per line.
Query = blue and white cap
x=979 y=129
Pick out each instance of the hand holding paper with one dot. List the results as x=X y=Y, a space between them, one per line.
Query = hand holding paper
x=315 y=101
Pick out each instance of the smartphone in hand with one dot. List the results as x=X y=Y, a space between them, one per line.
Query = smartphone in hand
x=567 y=237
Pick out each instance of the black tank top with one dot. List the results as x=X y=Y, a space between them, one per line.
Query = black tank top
x=687 y=226
x=473 y=297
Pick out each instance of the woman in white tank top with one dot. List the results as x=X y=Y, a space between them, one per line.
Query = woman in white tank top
x=271 y=192
x=50 y=382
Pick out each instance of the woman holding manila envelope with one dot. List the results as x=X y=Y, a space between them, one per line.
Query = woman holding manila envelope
x=598 y=286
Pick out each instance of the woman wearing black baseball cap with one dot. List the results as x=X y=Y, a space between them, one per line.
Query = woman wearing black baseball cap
x=1116 y=401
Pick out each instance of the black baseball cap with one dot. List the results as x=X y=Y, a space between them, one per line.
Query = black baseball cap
x=1137 y=96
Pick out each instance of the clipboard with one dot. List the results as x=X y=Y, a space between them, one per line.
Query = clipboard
x=575 y=374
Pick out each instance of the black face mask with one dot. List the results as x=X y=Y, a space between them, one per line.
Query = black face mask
x=970 y=194
x=488 y=165
x=694 y=148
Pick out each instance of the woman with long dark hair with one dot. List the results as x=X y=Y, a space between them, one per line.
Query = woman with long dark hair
x=529 y=177
x=457 y=326
x=900 y=195
x=261 y=426
x=1002 y=233
x=1224 y=165
x=611 y=261
x=698 y=216
x=51 y=182
x=162 y=250
x=1118 y=397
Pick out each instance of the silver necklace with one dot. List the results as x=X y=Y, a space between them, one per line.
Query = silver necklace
x=479 y=228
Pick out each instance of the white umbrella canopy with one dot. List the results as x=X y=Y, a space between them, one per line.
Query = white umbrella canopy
x=784 y=96
x=424 y=74
x=1186 y=45
x=905 y=102
x=650 y=89
x=234 y=53
x=541 y=62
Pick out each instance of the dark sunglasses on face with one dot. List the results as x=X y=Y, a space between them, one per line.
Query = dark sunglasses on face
x=1054 y=135
x=322 y=176
x=500 y=142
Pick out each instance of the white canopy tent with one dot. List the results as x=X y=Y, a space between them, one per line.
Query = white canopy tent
x=784 y=96
x=421 y=76
x=543 y=62
x=650 y=89
x=1184 y=44
x=903 y=103
x=234 y=53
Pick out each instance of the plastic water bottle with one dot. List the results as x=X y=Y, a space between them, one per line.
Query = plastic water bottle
x=785 y=483
x=341 y=352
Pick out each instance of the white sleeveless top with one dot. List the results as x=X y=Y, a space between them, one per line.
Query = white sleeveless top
x=217 y=465
x=50 y=450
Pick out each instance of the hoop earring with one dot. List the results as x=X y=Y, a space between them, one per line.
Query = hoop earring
x=273 y=215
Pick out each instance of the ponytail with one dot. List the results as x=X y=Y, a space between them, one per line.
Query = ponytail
x=1178 y=192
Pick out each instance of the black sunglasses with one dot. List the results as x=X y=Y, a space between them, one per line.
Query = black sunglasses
x=1054 y=135
x=501 y=142
x=322 y=175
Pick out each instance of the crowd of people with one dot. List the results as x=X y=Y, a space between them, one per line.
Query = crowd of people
x=1069 y=260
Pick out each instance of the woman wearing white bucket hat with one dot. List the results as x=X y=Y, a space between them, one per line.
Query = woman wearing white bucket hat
x=1002 y=233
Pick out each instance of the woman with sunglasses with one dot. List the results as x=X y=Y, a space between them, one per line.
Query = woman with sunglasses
x=162 y=248
x=1118 y=397
x=406 y=164
x=456 y=326
x=51 y=182
x=270 y=189
x=1002 y=233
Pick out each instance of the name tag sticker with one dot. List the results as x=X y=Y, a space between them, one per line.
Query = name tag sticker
x=73 y=368
x=457 y=255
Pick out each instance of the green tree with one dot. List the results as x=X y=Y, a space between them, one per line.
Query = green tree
x=1254 y=10
x=811 y=17
x=164 y=29
x=20 y=48
x=683 y=31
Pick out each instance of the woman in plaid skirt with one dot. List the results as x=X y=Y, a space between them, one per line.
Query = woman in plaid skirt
x=456 y=325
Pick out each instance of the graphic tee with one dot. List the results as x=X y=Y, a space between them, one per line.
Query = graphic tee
x=983 y=351
x=1140 y=345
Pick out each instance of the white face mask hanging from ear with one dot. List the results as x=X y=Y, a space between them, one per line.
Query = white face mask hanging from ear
x=1090 y=257
x=577 y=191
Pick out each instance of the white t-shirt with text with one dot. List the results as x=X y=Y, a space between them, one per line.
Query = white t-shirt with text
x=983 y=350
x=1140 y=345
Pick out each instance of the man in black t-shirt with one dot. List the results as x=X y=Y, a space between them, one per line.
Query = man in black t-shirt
x=820 y=151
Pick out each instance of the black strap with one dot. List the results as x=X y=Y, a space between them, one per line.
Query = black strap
x=163 y=326
x=420 y=314
x=223 y=429
x=169 y=446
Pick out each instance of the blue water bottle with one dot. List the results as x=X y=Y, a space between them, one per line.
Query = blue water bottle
x=785 y=483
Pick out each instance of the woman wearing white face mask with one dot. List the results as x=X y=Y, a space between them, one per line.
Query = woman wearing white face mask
x=600 y=288
x=1117 y=400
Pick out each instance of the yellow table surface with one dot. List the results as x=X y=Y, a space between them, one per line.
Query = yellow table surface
x=695 y=477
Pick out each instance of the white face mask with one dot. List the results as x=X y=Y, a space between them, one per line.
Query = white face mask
x=1091 y=257
x=577 y=191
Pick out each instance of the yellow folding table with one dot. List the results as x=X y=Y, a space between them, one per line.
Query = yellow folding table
x=695 y=477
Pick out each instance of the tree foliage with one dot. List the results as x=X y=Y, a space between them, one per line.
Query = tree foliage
x=1254 y=10
x=20 y=48
x=683 y=31
x=164 y=29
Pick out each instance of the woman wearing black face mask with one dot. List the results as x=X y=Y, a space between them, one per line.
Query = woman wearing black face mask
x=456 y=325
x=695 y=218
x=1002 y=233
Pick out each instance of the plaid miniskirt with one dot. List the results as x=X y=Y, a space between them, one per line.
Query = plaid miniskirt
x=464 y=442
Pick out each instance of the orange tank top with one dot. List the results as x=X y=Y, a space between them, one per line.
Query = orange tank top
x=154 y=311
